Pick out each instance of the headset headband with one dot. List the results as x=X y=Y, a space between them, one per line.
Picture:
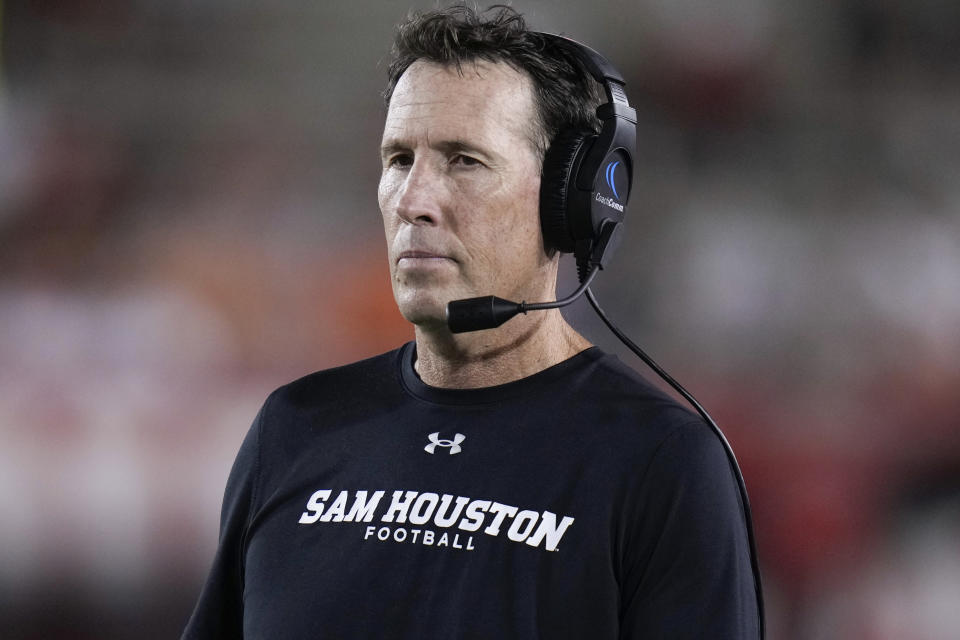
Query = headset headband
x=598 y=66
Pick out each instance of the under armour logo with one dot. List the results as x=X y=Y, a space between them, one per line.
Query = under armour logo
x=436 y=441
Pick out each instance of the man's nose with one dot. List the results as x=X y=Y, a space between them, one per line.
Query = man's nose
x=423 y=195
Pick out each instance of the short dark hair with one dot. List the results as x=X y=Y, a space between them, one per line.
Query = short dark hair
x=565 y=94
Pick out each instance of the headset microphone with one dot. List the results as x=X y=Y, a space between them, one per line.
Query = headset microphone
x=584 y=188
x=488 y=312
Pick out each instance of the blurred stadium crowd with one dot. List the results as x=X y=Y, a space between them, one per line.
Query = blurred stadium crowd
x=188 y=219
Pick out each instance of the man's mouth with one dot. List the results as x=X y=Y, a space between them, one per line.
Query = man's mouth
x=421 y=255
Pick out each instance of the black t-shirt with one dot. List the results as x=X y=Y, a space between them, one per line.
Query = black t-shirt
x=579 y=502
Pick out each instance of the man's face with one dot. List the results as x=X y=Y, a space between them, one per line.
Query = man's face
x=460 y=187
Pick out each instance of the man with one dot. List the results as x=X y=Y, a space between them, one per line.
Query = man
x=509 y=483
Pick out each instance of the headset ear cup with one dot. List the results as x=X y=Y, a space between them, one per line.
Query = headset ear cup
x=559 y=164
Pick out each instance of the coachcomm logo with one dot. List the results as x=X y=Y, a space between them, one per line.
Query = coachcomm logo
x=606 y=200
x=610 y=202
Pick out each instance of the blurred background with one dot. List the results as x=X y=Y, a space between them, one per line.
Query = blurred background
x=188 y=219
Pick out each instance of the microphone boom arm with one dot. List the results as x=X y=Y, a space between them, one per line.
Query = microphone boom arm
x=488 y=312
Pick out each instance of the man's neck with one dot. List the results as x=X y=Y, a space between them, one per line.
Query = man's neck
x=525 y=345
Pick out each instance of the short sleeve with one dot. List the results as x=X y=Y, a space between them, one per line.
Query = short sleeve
x=219 y=610
x=686 y=567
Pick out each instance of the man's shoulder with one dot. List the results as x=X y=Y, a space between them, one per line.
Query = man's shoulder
x=615 y=389
x=362 y=379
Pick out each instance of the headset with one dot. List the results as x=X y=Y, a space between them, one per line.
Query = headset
x=587 y=177
x=585 y=185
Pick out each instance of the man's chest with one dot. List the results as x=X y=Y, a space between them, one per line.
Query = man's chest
x=444 y=515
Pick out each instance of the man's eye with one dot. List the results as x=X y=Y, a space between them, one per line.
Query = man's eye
x=400 y=161
x=466 y=161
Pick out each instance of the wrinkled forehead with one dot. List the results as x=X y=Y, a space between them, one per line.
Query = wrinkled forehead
x=489 y=101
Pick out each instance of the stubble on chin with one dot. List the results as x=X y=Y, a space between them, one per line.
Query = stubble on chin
x=420 y=306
